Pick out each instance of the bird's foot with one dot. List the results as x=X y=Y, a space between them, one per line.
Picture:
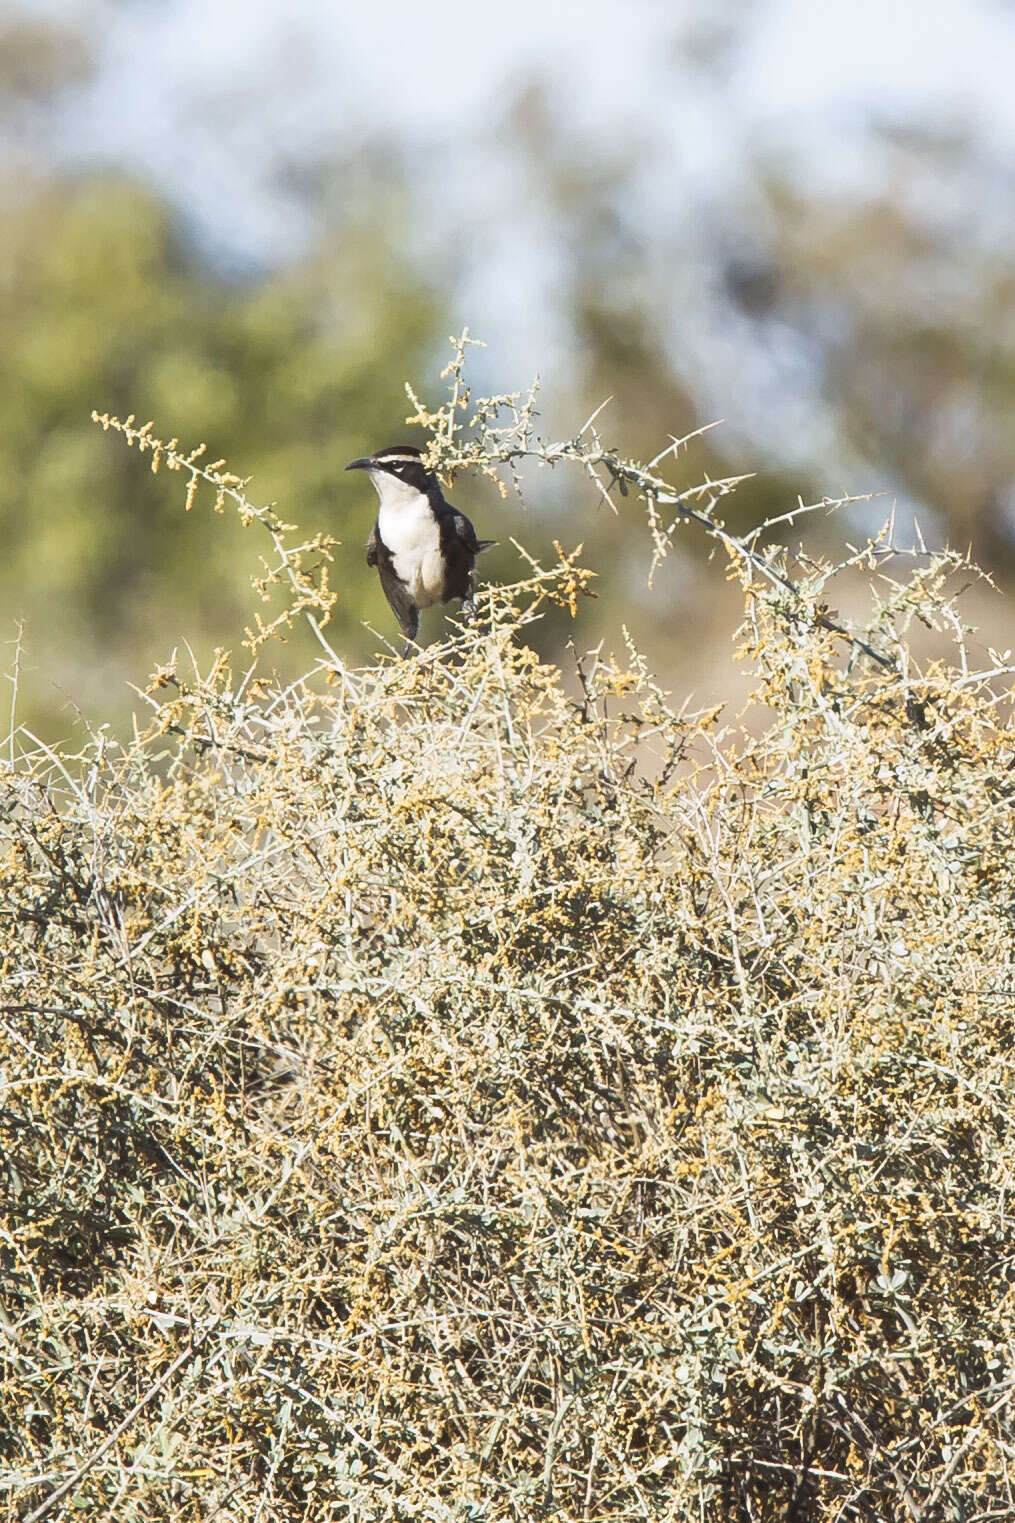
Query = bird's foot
x=470 y=613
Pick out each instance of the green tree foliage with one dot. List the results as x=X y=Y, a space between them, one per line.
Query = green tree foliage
x=101 y=306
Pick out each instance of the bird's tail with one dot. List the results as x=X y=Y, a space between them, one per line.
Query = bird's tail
x=485 y=544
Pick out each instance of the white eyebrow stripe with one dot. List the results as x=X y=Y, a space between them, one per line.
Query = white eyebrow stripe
x=398 y=460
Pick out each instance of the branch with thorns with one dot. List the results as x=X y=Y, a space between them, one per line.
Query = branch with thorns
x=487 y=444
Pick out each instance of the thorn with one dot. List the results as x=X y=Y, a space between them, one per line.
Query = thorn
x=595 y=415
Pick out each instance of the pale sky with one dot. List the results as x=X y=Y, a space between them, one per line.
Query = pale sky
x=210 y=97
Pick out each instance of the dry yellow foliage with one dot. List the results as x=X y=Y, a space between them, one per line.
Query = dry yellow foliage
x=459 y=1089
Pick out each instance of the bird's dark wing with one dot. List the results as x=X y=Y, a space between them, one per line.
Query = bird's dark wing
x=467 y=534
x=371 y=547
x=395 y=590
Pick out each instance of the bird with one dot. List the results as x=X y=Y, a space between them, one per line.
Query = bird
x=424 y=549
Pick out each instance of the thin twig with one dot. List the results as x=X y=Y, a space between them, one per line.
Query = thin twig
x=121 y=1428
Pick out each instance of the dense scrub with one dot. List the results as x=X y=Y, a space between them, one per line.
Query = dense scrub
x=451 y=1089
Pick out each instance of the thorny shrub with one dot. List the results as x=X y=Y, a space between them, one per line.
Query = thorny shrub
x=431 y=1094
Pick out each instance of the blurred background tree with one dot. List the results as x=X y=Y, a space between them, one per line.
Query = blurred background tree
x=912 y=315
x=257 y=240
x=102 y=305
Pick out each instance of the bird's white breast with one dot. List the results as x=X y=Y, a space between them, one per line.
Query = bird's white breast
x=408 y=528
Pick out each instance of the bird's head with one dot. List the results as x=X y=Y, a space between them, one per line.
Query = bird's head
x=397 y=472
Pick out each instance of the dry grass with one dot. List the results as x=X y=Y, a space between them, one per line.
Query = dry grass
x=427 y=1096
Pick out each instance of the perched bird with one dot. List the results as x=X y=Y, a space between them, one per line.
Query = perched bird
x=424 y=549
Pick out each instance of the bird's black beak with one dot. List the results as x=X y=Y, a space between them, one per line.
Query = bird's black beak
x=359 y=465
